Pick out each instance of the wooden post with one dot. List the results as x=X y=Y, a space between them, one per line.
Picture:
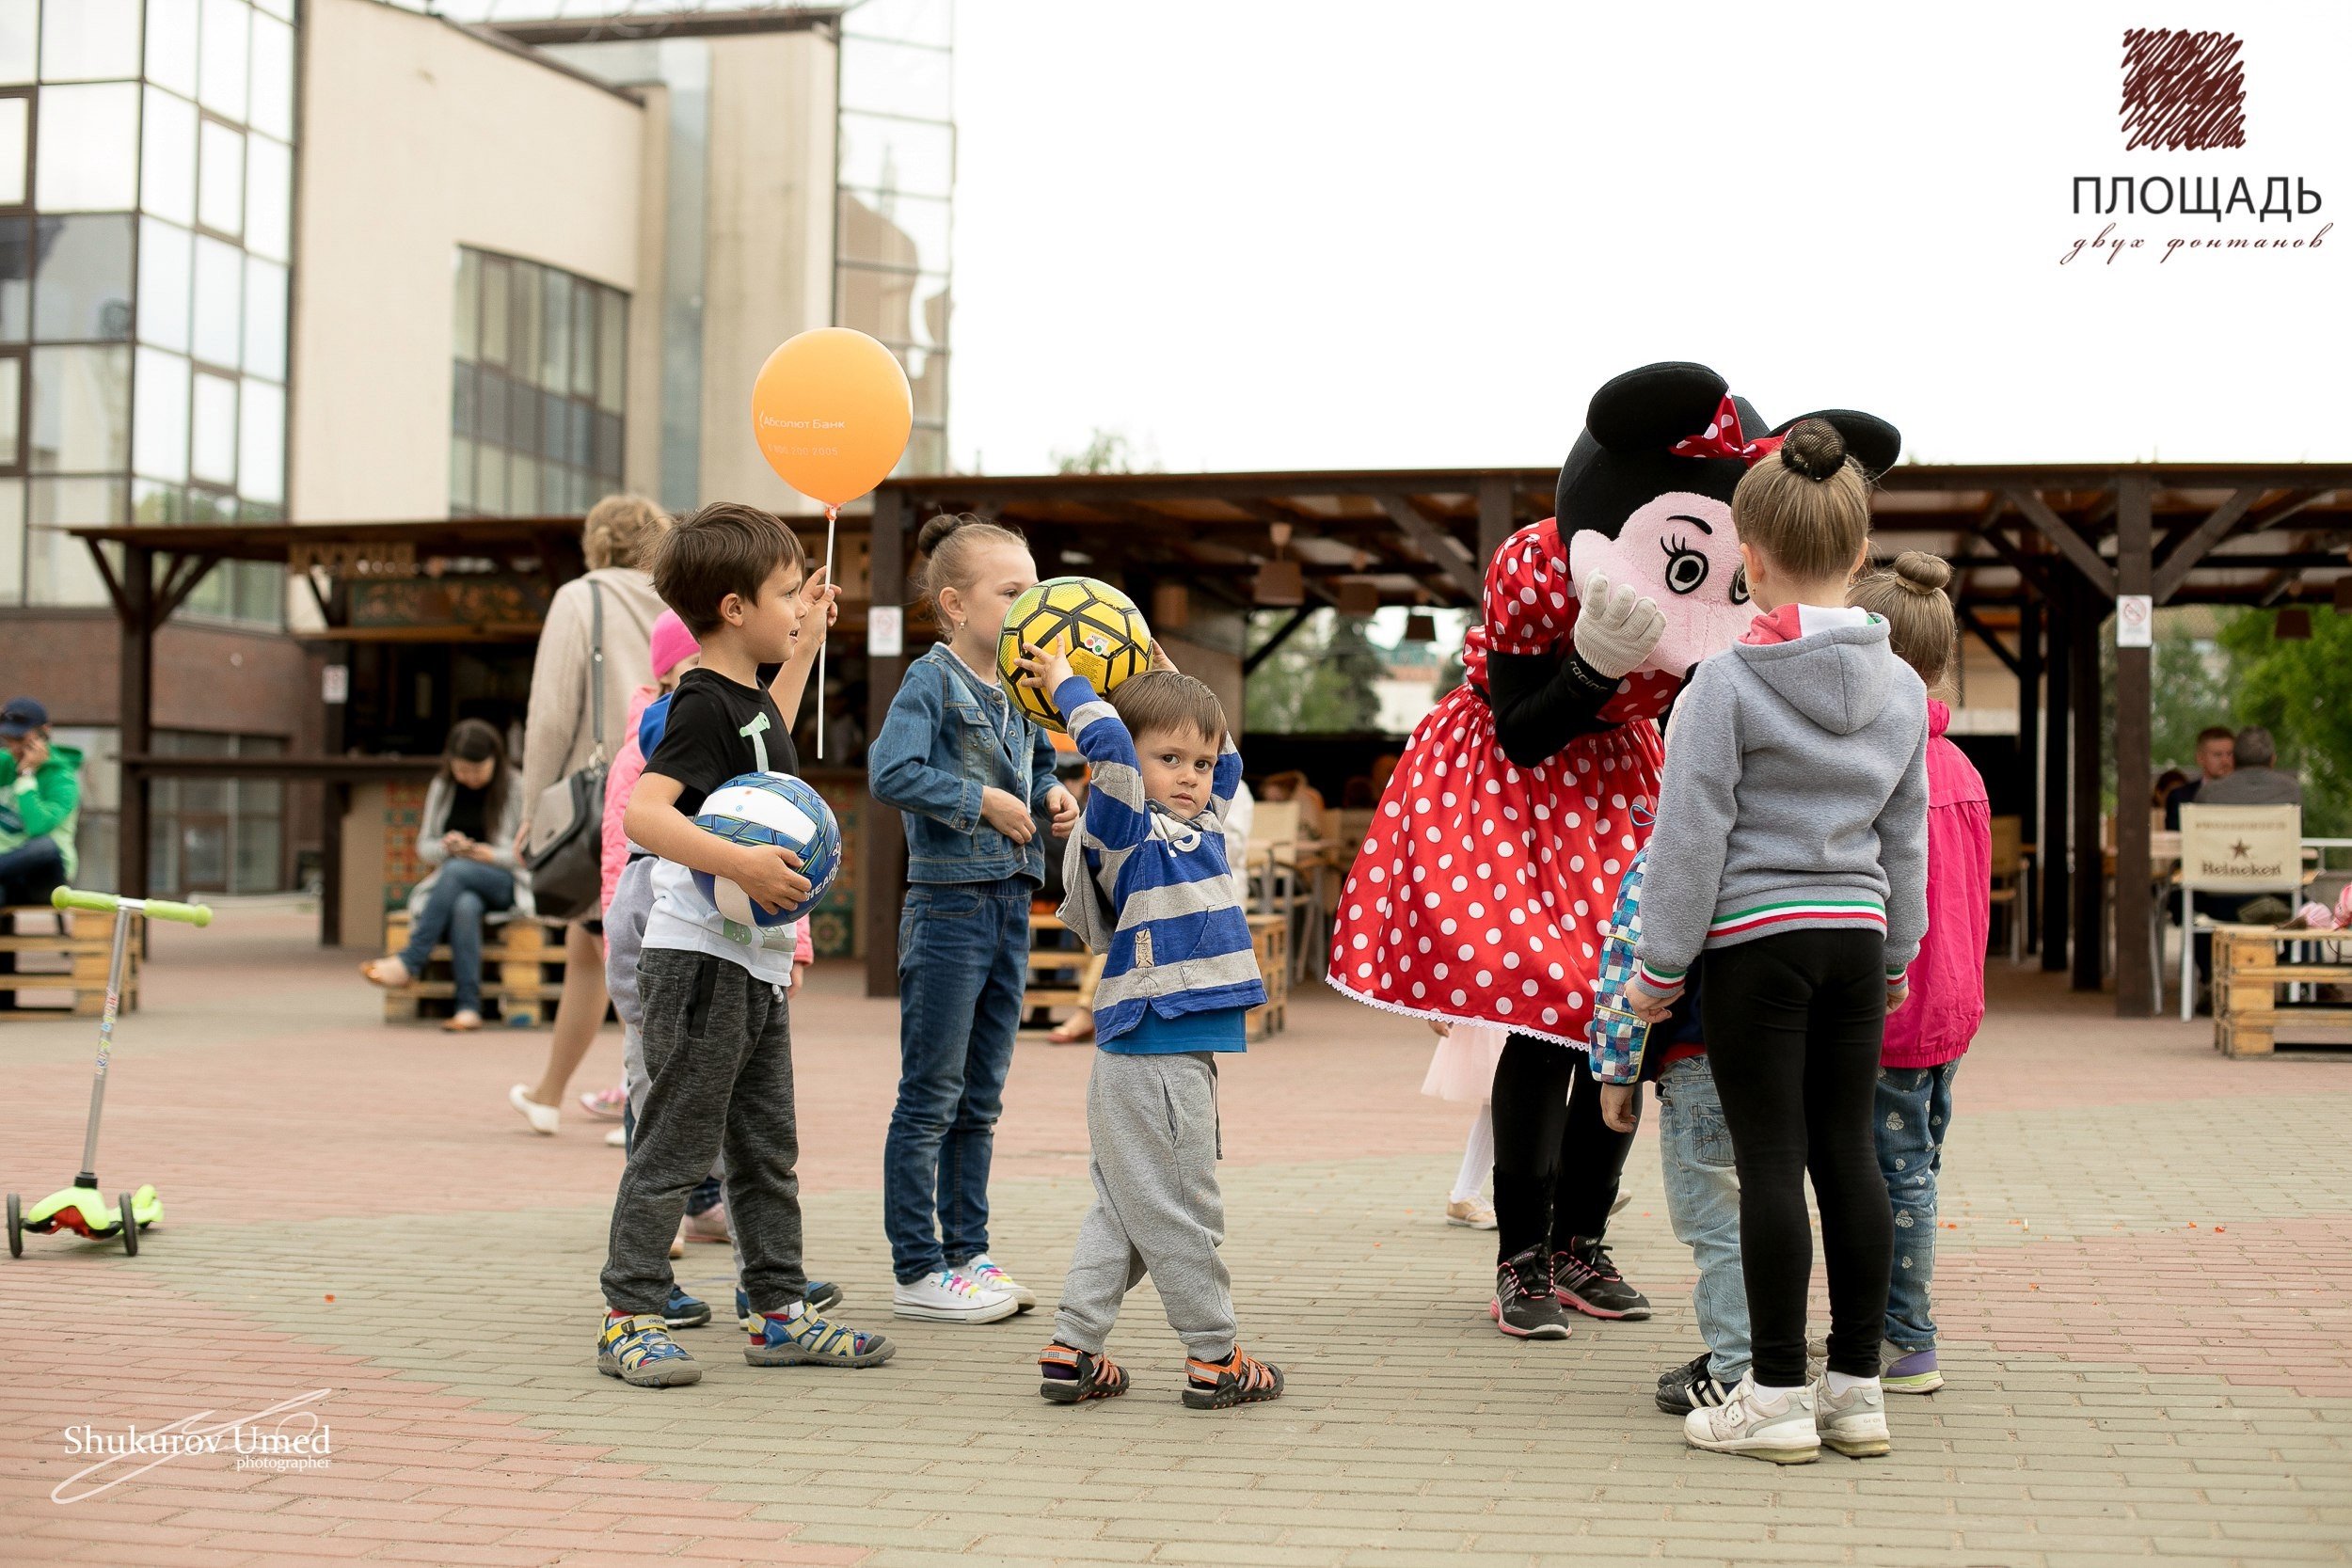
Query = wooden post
x=2030 y=743
x=134 y=721
x=2090 y=606
x=1494 y=518
x=2054 y=857
x=2134 y=569
x=882 y=850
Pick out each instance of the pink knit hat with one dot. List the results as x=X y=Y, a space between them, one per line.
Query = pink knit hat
x=672 y=644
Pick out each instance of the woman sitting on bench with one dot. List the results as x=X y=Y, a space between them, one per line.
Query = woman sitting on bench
x=467 y=834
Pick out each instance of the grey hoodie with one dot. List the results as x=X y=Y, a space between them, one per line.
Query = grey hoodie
x=1795 y=797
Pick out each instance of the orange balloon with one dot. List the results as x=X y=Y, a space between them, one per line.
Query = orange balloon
x=831 y=412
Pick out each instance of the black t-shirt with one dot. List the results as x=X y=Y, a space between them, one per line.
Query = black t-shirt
x=710 y=735
x=469 y=812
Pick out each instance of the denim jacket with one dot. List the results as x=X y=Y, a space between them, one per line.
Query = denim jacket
x=948 y=736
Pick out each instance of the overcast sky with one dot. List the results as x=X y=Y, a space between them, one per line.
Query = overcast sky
x=1290 y=235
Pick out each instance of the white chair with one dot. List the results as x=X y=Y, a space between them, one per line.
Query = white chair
x=2245 y=849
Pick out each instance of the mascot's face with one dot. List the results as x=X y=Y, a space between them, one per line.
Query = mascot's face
x=1681 y=551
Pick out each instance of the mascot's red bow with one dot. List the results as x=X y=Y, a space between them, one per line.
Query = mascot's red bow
x=1722 y=439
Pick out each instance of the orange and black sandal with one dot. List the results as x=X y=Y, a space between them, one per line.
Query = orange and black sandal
x=1237 y=1380
x=1073 y=1377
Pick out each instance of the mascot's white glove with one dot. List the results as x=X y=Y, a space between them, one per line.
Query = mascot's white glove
x=1615 y=629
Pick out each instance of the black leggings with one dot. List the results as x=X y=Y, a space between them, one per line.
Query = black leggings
x=1557 y=1163
x=1794 y=1027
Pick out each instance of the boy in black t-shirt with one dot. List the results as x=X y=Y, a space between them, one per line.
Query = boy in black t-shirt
x=718 y=1045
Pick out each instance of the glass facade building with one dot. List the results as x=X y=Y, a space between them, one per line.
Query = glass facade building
x=892 y=229
x=146 y=238
x=535 y=422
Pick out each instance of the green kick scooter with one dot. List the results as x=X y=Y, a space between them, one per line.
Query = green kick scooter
x=82 y=1208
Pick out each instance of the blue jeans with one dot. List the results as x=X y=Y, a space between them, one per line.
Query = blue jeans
x=29 y=871
x=1702 y=1204
x=963 y=960
x=1915 y=1111
x=463 y=894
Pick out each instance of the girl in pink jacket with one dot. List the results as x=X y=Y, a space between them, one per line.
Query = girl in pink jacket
x=1926 y=1040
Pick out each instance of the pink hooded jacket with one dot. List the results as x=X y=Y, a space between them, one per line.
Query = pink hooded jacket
x=628 y=765
x=1948 y=978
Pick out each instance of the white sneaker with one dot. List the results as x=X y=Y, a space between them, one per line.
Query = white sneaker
x=982 y=1271
x=948 y=1297
x=1855 y=1425
x=544 y=1119
x=1781 y=1431
x=617 y=1138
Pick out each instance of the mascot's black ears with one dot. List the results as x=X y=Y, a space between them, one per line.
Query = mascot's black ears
x=1869 y=440
x=1646 y=411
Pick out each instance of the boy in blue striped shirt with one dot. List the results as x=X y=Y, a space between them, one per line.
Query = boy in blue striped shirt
x=1150 y=887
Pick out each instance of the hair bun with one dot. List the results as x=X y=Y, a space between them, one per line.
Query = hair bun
x=1814 y=449
x=1922 y=573
x=937 y=529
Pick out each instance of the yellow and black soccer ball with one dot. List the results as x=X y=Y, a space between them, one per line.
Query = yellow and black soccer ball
x=1107 y=641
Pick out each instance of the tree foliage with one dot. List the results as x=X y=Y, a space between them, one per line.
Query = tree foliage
x=1320 y=682
x=2301 y=692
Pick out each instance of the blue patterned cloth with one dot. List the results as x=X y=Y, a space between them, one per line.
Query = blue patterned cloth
x=1616 y=1036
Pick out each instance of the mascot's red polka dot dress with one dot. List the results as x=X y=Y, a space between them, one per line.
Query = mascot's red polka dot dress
x=1481 y=887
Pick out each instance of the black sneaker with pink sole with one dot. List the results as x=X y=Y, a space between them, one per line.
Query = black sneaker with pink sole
x=1586 y=1279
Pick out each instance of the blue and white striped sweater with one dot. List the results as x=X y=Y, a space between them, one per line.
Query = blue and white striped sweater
x=1179 y=942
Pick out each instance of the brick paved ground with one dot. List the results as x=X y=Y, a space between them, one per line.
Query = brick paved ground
x=2145 y=1303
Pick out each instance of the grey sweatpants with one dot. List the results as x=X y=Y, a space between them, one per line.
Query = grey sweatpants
x=718 y=1048
x=1158 y=1210
x=624 y=941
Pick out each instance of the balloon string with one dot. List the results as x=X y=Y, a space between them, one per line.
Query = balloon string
x=832 y=517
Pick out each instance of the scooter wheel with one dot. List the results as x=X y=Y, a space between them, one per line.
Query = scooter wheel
x=16 y=1227
x=130 y=1225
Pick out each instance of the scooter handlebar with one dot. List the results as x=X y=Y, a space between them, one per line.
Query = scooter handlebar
x=153 y=909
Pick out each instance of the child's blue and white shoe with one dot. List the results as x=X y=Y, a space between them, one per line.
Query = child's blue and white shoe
x=684 y=1311
x=984 y=1271
x=822 y=1297
x=802 y=1338
x=640 y=1351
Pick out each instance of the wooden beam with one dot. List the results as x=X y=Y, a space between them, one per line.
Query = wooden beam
x=134 y=717
x=2035 y=572
x=1441 y=548
x=882 y=882
x=1969 y=618
x=2135 y=897
x=1496 y=518
x=2088 y=609
x=2054 y=857
x=2071 y=544
x=2182 y=558
x=2029 y=623
x=1282 y=634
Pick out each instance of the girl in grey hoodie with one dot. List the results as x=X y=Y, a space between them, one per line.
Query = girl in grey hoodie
x=1792 y=849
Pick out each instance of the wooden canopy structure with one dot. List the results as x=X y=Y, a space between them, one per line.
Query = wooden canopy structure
x=149 y=572
x=2042 y=551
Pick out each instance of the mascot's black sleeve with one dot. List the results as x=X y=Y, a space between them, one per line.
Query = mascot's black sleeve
x=1541 y=702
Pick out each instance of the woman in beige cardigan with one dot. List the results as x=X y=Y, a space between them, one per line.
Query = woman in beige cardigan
x=559 y=738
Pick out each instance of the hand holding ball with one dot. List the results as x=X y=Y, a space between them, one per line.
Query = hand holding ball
x=1098 y=628
x=771 y=809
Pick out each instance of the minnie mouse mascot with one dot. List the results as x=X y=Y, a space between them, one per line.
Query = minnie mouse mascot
x=1495 y=855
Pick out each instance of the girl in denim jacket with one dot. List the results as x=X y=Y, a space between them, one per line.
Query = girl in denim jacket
x=969 y=775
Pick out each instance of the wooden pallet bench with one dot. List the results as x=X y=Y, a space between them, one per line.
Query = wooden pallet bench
x=1065 y=977
x=2251 y=971
x=522 y=974
x=61 y=958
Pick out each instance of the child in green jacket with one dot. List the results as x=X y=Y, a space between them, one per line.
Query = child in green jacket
x=39 y=807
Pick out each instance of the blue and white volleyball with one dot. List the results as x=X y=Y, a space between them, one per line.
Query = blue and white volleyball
x=778 y=809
